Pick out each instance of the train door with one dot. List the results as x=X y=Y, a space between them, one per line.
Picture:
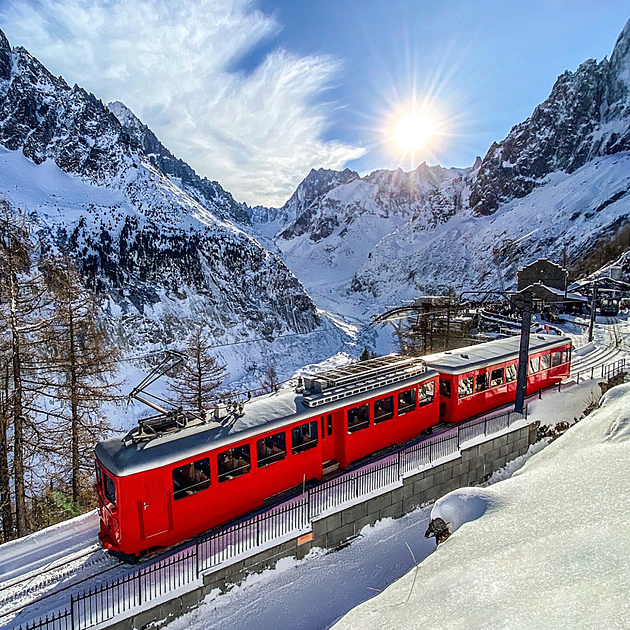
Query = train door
x=153 y=509
x=327 y=437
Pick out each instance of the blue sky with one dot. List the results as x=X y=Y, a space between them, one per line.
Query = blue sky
x=255 y=93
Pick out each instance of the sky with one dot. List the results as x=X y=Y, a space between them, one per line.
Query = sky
x=255 y=93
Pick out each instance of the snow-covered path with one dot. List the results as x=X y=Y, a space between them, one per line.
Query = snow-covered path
x=54 y=545
x=315 y=592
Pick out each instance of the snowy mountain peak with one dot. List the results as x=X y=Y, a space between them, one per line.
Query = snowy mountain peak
x=209 y=193
x=156 y=242
x=585 y=116
x=317 y=183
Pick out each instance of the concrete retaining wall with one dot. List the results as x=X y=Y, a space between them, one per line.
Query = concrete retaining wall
x=474 y=466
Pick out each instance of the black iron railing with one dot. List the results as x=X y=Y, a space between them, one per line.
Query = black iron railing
x=184 y=567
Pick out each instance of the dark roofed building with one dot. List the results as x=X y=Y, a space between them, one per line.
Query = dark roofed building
x=542 y=271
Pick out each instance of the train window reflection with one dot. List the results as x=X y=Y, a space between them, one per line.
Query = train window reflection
x=510 y=372
x=234 y=462
x=482 y=382
x=465 y=386
x=426 y=393
x=406 y=401
x=358 y=418
x=110 y=489
x=191 y=478
x=496 y=378
x=383 y=409
x=304 y=437
x=271 y=449
x=445 y=388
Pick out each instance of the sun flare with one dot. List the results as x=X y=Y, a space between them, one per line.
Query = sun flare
x=413 y=132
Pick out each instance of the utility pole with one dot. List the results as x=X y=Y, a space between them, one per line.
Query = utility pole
x=591 y=321
x=525 y=301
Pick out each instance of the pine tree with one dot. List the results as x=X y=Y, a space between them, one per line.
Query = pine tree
x=195 y=384
x=80 y=369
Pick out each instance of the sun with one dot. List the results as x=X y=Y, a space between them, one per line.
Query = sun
x=413 y=132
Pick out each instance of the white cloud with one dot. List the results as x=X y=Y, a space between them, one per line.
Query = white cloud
x=169 y=61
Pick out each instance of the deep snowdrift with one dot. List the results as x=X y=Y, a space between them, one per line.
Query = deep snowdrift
x=551 y=551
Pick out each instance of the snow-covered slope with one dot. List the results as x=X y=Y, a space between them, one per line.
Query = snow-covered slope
x=558 y=180
x=548 y=549
x=333 y=222
x=158 y=243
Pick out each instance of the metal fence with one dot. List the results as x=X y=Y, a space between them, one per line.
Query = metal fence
x=184 y=567
x=607 y=371
x=489 y=425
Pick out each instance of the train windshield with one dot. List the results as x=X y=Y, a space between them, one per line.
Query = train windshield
x=109 y=489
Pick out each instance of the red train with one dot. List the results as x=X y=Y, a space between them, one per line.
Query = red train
x=179 y=476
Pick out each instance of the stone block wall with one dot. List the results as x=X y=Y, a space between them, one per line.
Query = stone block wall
x=474 y=465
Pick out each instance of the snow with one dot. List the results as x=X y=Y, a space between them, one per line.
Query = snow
x=462 y=506
x=547 y=548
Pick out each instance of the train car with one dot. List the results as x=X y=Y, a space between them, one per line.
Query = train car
x=170 y=480
x=478 y=378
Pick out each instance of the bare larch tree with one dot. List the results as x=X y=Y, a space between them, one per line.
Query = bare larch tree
x=82 y=363
x=195 y=383
x=21 y=302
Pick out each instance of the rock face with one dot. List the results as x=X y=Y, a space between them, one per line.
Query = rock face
x=556 y=185
x=156 y=241
x=208 y=193
x=586 y=116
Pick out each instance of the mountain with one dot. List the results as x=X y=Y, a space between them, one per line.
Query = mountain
x=161 y=246
x=556 y=187
x=334 y=219
x=587 y=115
x=208 y=193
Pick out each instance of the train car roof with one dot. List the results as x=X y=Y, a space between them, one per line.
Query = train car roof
x=477 y=357
x=123 y=456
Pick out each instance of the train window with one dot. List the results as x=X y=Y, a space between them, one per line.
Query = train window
x=482 y=382
x=304 y=437
x=510 y=372
x=358 y=418
x=566 y=355
x=234 y=462
x=406 y=401
x=321 y=424
x=534 y=365
x=271 y=449
x=545 y=362
x=445 y=388
x=110 y=489
x=465 y=386
x=191 y=478
x=556 y=358
x=329 y=423
x=426 y=393
x=98 y=475
x=497 y=377
x=383 y=409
